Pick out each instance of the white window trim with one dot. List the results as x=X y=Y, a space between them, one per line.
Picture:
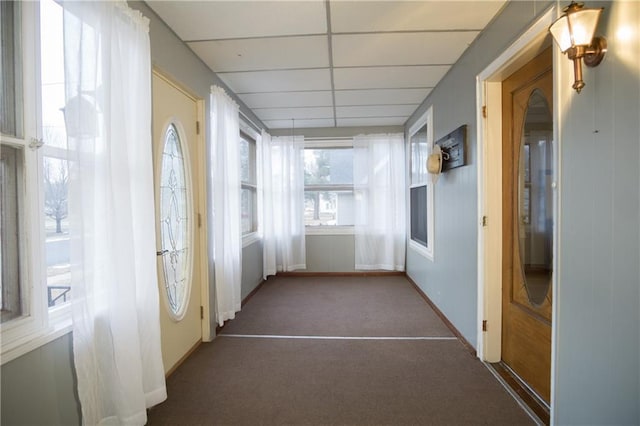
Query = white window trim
x=250 y=238
x=39 y=325
x=428 y=250
x=253 y=236
x=330 y=230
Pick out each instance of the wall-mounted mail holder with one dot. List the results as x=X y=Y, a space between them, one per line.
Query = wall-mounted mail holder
x=452 y=146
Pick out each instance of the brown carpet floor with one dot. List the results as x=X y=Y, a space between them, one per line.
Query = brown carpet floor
x=275 y=381
x=337 y=306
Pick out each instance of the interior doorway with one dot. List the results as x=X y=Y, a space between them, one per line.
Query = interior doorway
x=180 y=231
x=491 y=207
x=528 y=216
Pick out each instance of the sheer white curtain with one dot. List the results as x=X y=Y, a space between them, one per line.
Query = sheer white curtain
x=225 y=175
x=378 y=175
x=115 y=301
x=283 y=213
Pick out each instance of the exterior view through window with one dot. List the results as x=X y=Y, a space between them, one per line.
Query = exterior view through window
x=328 y=187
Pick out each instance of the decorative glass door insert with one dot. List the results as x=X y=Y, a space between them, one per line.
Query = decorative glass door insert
x=174 y=223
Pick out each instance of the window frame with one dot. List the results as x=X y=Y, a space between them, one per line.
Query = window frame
x=38 y=324
x=249 y=134
x=427 y=250
x=346 y=143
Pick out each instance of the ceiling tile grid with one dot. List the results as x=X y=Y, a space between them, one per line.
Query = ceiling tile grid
x=329 y=63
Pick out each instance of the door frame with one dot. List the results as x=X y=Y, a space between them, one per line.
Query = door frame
x=489 y=178
x=200 y=174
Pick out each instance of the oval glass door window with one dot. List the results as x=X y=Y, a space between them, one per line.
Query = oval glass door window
x=535 y=198
x=174 y=224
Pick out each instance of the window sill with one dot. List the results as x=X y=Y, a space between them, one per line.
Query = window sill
x=421 y=250
x=329 y=230
x=250 y=239
x=58 y=328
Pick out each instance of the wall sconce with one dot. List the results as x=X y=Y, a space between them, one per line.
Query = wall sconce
x=573 y=32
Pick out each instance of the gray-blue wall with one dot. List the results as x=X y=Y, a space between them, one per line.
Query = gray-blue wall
x=450 y=280
x=598 y=323
x=39 y=388
x=597 y=340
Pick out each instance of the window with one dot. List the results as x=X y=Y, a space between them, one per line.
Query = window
x=55 y=170
x=34 y=174
x=249 y=185
x=421 y=187
x=328 y=186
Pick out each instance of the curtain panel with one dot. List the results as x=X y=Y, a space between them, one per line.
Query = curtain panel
x=283 y=228
x=225 y=181
x=115 y=300
x=379 y=189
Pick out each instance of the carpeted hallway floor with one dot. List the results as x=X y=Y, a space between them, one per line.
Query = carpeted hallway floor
x=336 y=351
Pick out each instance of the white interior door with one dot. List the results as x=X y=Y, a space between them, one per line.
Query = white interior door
x=178 y=229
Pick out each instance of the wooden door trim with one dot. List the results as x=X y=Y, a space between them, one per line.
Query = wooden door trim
x=489 y=181
x=489 y=178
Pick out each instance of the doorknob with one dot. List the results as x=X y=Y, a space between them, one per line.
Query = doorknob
x=162 y=252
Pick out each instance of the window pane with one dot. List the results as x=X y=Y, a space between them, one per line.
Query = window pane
x=419 y=156
x=419 y=214
x=248 y=203
x=247 y=160
x=328 y=208
x=56 y=188
x=10 y=70
x=11 y=160
x=244 y=160
x=328 y=166
x=52 y=74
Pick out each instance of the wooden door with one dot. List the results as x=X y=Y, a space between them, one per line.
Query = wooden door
x=176 y=165
x=528 y=216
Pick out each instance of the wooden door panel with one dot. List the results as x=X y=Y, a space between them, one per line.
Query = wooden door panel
x=526 y=326
x=172 y=106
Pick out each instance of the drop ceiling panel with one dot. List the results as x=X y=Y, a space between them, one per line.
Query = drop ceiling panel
x=380 y=96
x=377 y=121
x=263 y=53
x=370 y=16
x=400 y=48
x=375 y=111
x=296 y=113
x=277 y=81
x=287 y=99
x=299 y=124
x=385 y=56
x=212 y=20
x=389 y=77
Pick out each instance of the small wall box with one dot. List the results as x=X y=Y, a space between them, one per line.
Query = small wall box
x=453 y=146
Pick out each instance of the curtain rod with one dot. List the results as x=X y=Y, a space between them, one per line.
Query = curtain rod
x=328 y=138
x=246 y=117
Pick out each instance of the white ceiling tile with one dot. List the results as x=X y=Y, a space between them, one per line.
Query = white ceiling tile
x=277 y=81
x=287 y=99
x=388 y=77
x=299 y=124
x=211 y=20
x=380 y=96
x=295 y=113
x=375 y=111
x=400 y=48
x=263 y=53
x=377 y=121
x=369 y=16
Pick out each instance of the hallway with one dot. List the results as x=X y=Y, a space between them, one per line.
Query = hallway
x=335 y=350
